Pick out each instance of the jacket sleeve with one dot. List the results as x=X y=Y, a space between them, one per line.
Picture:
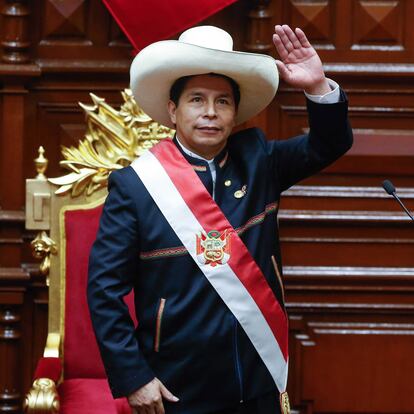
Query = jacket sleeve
x=329 y=137
x=112 y=269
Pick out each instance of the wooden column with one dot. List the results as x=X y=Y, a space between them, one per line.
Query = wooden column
x=15 y=33
x=10 y=357
x=259 y=32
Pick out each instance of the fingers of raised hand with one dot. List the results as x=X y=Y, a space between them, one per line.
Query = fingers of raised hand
x=281 y=32
x=280 y=47
x=302 y=37
x=291 y=40
x=291 y=35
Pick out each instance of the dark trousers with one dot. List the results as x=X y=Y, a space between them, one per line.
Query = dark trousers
x=266 y=404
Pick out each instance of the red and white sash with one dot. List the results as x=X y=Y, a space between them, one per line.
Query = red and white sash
x=193 y=215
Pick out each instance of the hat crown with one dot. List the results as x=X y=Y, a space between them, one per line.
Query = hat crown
x=208 y=36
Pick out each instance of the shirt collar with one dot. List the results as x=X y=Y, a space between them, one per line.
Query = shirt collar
x=197 y=160
x=192 y=154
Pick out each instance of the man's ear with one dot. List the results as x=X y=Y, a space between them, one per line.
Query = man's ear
x=171 y=110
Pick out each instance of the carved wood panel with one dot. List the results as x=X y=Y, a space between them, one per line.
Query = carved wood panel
x=79 y=29
x=354 y=30
x=314 y=17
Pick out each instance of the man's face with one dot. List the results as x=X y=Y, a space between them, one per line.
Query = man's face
x=205 y=115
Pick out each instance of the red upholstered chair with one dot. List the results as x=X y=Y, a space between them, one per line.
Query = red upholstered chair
x=70 y=377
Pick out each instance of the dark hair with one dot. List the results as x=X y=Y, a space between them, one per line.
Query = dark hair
x=179 y=85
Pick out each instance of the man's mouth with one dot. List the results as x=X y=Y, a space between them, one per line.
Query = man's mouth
x=209 y=128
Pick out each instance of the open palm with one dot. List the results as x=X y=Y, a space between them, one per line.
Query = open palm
x=300 y=65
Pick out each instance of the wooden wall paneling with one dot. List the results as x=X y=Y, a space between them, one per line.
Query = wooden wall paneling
x=347 y=249
x=13 y=282
x=341 y=372
x=378 y=25
x=11 y=301
x=351 y=332
x=78 y=34
x=11 y=241
x=10 y=335
x=298 y=339
x=58 y=119
x=12 y=130
x=354 y=30
x=35 y=315
x=13 y=278
x=315 y=18
x=234 y=19
x=345 y=226
x=345 y=198
x=383 y=124
x=64 y=22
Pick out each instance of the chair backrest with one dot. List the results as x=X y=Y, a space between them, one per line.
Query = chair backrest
x=70 y=207
x=78 y=230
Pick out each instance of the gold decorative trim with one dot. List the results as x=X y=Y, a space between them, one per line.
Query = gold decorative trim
x=42 y=398
x=284 y=403
x=38 y=196
x=112 y=141
x=158 y=325
x=42 y=247
x=52 y=346
x=279 y=277
x=41 y=164
x=62 y=234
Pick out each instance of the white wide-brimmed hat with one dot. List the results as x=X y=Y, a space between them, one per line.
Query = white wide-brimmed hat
x=201 y=50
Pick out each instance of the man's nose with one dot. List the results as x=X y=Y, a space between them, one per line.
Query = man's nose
x=210 y=110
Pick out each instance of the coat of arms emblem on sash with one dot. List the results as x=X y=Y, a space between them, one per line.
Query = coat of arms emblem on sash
x=213 y=248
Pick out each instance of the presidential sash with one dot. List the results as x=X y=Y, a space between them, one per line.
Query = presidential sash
x=218 y=251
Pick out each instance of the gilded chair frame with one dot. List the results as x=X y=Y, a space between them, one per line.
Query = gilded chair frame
x=113 y=139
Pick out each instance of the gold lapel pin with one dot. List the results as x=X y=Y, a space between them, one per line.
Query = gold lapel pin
x=241 y=193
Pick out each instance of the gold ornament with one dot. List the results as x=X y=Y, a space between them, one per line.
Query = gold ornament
x=42 y=398
x=42 y=247
x=112 y=141
x=41 y=164
x=284 y=403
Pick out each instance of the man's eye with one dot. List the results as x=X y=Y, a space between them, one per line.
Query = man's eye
x=223 y=101
x=196 y=99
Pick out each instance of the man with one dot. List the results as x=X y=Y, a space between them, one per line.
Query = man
x=191 y=227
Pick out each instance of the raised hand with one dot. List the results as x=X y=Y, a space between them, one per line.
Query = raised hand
x=300 y=65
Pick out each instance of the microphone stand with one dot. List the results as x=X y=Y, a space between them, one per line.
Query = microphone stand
x=390 y=189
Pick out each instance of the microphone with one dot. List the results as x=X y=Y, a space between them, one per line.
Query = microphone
x=390 y=189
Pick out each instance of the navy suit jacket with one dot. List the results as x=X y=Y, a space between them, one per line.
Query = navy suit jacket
x=194 y=344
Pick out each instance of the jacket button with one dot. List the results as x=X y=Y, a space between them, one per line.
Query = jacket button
x=227 y=183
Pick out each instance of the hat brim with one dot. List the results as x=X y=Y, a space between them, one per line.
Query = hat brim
x=160 y=64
